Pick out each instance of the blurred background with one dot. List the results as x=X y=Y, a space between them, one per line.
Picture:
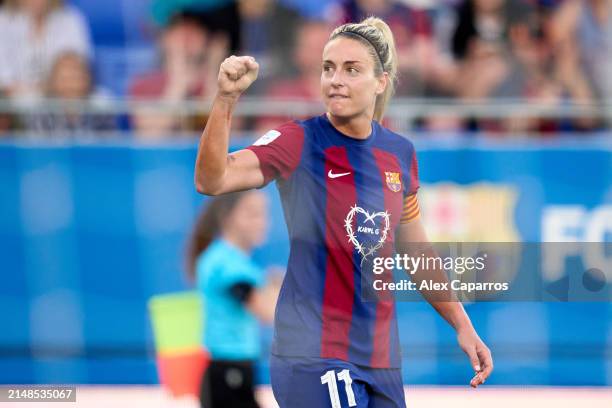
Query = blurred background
x=509 y=104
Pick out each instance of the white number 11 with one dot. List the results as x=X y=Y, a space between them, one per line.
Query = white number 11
x=330 y=379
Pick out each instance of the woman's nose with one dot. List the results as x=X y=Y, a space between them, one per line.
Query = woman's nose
x=337 y=79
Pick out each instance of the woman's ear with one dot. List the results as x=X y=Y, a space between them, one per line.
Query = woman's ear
x=383 y=82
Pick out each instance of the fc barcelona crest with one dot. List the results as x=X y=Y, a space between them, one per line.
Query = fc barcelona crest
x=393 y=181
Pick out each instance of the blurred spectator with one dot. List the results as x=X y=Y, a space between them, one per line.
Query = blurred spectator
x=235 y=294
x=306 y=86
x=413 y=32
x=502 y=49
x=268 y=34
x=481 y=44
x=5 y=118
x=496 y=47
x=32 y=35
x=70 y=83
x=485 y=20
x=581 y=34
x=312 y=9
x=218 y=17
x=190 y=59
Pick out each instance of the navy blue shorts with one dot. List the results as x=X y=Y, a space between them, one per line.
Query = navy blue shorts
x=306 y=382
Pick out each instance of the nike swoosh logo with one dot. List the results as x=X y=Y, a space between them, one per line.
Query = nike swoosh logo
x=333 y=176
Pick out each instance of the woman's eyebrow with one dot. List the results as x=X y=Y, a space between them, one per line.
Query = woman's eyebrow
x=344 y=62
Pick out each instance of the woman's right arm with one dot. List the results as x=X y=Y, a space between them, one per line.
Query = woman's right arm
x=216 y=171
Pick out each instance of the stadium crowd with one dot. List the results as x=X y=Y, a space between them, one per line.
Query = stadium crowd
x=556 y=53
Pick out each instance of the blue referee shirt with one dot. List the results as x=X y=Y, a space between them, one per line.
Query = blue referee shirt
x=231 y=332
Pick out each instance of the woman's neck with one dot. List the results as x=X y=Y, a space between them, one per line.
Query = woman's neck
x=38 y=23
x=358 y=127
x=237 y=241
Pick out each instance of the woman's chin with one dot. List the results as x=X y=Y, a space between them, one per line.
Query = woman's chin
x=338 y=111
x=342 y=114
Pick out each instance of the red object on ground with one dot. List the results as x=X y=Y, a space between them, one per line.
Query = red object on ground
x=182 y=372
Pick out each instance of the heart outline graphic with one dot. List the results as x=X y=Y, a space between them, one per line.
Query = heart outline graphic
x=348 y=225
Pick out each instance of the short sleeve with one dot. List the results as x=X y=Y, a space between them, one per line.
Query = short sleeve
x=71 y=33
x=410 y=211
x=241 y=275
x=7 y=38
x=241 y=291
x=279 y=151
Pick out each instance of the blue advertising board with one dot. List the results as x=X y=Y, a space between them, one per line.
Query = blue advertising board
x=89 y=232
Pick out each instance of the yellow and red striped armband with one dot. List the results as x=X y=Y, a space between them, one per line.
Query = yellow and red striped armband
x=411 y=209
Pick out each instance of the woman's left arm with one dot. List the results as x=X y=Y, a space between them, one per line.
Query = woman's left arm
x=411 y=239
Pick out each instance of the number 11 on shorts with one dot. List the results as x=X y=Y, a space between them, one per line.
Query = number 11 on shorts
x=332 y=386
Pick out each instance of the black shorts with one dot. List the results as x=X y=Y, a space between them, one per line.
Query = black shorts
x=228 y=384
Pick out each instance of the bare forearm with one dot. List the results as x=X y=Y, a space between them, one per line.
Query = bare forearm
x=437 y=291
x=443 y=301
x=211 y=162
x=454 y=314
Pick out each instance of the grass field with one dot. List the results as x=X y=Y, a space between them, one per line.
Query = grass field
x=417 y=397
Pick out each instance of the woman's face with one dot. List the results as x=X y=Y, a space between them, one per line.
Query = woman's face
x=488 y=6
x=348 y=82
x=185 y=39
x=35 y=8
x=70 y=78
x=249 y=218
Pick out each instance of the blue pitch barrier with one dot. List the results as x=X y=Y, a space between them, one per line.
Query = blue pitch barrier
x=89 y=232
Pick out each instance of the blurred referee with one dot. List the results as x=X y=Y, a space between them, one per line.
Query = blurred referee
x=234 y=293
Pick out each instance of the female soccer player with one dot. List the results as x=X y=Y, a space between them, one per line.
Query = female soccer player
x=348 y=187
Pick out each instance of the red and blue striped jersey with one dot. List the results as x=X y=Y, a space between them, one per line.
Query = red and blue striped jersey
x=342 y=199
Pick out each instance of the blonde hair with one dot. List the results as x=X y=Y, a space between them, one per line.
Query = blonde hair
x=375 y=34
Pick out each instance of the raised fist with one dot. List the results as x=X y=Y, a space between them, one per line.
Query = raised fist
x=236 y=74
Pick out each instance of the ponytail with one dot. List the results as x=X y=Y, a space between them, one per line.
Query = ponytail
x=377 y=36
x=207 y=228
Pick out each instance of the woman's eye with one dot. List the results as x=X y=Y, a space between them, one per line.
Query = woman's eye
x=352 y=70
